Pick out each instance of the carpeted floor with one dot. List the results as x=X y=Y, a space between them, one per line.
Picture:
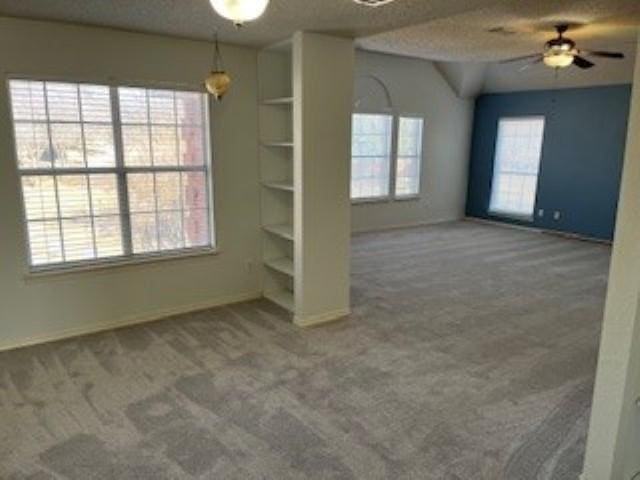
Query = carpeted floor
x=470 y=355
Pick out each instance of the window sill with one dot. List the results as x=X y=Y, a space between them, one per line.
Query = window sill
x=511 y=216
x=407 y=198
x=117 y=264
x=363 y=201
x=403 y=198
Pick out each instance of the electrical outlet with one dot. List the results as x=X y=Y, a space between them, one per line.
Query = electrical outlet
x=248 y=265
x=557 y=215
x=541 y=212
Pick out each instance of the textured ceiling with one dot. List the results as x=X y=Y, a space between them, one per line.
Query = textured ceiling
x=441 y=30
x=523 y=28
x=196 y=19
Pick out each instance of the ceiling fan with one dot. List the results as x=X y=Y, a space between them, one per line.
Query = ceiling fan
x=561 y=52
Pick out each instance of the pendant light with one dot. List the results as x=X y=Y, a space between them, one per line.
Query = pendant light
x=218 y=81
x=240 y=11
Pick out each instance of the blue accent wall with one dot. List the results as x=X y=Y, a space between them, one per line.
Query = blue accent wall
x=582 y=155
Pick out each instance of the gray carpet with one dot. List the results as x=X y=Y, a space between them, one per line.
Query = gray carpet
x=470 y=354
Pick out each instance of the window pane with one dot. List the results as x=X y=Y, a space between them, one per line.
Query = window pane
x=144 y=234
x=135 y=142
x=409 y=160
x=45 y=242
x=162 y=107
x=99 y=145
x=142 y=197
x=189 y=108
x=194 y=188
x=68 y=150
x=408 y=176
x=32 y=146
x=104 y=194
x=168 y=191
x=77 y=239
x=170 y=230
x=96 y=103
x=27 y=100
x=371 y=155
x=134 y=107
x=108 y=236
x=62 y=102
x=74 y=195
x=196 y=228
x=516 y=166
x=39 y=193
x=191 y=146
x=165 y=147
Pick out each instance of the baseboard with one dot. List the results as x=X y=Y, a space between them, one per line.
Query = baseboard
x=127 y=322
x=316 y=320
x=558 y=233
x=405 y=225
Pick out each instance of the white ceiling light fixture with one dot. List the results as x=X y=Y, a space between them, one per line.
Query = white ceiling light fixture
x=558 y=59
x=373 y=3
x=240 y=11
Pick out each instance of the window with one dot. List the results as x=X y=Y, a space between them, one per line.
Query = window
x=372 y=162
x=409 y=158
x=516 y=166
x=371 y=156
x=110 y=173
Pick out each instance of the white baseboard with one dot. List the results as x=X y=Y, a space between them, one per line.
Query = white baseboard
x=405 y=225
x=558 y=233
x=11 y=344
x=316 y=320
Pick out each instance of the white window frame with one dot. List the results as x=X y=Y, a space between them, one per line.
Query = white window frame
x=421 y=157
x=121 y=171
x=393 y=161
x=506 y=214
x=392 y=148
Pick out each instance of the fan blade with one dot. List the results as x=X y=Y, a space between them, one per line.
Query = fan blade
x=530 y=64
x=582 y=62
x=596 y=53
x=519 y=59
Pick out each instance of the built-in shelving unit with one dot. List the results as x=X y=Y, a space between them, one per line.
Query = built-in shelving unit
x=284 y=231
x=283 y=265
x=286 y=186
x=282 y=298
x=305 y=101
x=276 y=172
x=278 y=144
x=278 y=101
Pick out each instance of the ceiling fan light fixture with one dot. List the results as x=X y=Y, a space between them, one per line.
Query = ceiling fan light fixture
x=373 y=3
x=558 y=59
x=240 y=11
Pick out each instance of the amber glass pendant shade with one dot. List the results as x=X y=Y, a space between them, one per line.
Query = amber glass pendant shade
x=218 y=81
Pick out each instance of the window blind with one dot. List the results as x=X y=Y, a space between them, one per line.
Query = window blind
x=110 y=172
x=371 y=155
x=516 y=166
x=409 y=159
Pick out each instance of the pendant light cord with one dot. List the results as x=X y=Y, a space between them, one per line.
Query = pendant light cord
x=218 y=63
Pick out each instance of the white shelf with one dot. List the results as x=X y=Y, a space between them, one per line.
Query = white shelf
x=278 y=144
x=279 y=186
x=283 y=298
x=278 y=101
x=284 y=231
x=282 y=265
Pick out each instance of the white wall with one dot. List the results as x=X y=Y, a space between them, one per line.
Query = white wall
x=614 y=432
x=416 y=87
x=322 y=136
x=34 y=309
